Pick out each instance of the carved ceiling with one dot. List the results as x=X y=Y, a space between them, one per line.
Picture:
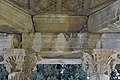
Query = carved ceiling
x=21 y=3
x=95 y=3
x=70 y=7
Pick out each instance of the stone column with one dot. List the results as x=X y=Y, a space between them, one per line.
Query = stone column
x=29 y=63
x=101 y=59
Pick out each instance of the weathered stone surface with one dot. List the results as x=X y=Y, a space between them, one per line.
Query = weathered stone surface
x=101 y=61
x=61 y=43
x=27 y=40
x=104 y=17
x=5 y=42
x=58 y=23
x=104 y=60
x=70 y=7
x=60 y=61
x=14 y=59
x=48 y=41
x=94 y=3
x=77 y=41
x=109 y=41
x=15 y=18
x=16 y=41
x=37 y=42
x=87 y=62
x=29 y=63
x=52 y=39
x=53 y=45
x=62 y=54
x=92 y=40
x=16 y=76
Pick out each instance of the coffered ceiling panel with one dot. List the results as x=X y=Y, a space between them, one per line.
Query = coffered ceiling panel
x=70 y=7
x=45 y=6
x=22 y=3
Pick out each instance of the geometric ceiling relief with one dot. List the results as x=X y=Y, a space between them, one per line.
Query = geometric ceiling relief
x=97 y=3
x=69 y=7
x=45 y=6
x=72 y=6
x=57 y=30
x=21 y=3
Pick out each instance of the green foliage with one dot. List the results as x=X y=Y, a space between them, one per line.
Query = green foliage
x=3 y=73
x=114 y=73
x=45 y=72
x=74 y=72
x=59 y=72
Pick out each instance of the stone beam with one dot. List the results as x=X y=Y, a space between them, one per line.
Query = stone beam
x=58 y=23
x=61 y=55
x=14 y=18
x=60 y=61
x=104 y=17
x=45 y=45
x=98 y=5
x=92 y=40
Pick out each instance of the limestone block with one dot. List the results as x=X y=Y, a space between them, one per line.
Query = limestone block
x=60 y=61
x=27 y=40
x=6 y=41
x=15 y=17
x=58 y=23
x=37 y=42
x=92 y=40
x=94 y=3
x=104 y=17
x=49 y=44
x=60 y=42
x=109 y=41
x=77 y=41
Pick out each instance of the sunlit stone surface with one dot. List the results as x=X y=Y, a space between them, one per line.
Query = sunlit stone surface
x=60 y=43
x=110 y=41
x=37 y=42
x=38 y=29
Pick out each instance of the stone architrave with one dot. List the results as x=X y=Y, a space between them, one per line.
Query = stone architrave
x=60 y=43
x=37 y=42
